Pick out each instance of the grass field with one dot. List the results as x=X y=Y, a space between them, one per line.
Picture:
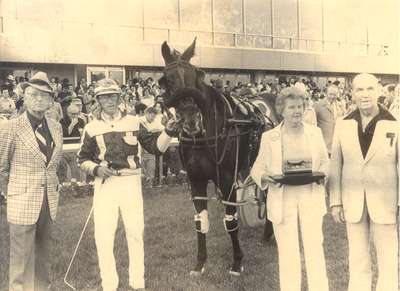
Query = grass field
x=170 y=249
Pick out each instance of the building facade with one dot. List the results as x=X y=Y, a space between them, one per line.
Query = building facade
x=238 y=40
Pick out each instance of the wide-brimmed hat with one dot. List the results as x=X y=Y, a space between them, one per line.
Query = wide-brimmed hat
x=11 y=78
x=106 y=86
x=39 y=81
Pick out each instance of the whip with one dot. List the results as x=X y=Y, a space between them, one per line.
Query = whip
x=76 y=250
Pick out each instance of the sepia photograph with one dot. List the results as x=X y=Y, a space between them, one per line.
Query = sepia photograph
x=199 y=145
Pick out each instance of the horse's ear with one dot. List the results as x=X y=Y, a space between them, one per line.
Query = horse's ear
x=162 y=82
x=166 y=53
x=189 y=52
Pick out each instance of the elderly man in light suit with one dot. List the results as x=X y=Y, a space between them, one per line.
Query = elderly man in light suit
x=364 y=186
x=30 y=150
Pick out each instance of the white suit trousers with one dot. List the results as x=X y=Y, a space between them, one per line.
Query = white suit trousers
x=119 y=194
x=385 y=239
x=297 y=210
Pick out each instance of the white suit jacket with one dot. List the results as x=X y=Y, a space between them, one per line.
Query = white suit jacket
x=23 y=169
x=377 y=175
x=269 y=162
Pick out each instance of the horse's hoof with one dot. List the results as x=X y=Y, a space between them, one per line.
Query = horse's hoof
x=197 y=273
x=236 y=271
x=198 y=270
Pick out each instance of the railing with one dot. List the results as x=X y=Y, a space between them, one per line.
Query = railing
x=231 y=39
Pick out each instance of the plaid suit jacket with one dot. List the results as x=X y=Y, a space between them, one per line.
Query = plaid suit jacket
x=23 y=169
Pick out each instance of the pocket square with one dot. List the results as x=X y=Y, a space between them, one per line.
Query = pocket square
x=390 y=135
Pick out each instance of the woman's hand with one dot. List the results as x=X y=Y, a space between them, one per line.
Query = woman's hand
x=268 y=179
x=321 y=181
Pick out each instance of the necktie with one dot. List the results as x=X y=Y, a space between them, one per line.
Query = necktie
x=45 y=145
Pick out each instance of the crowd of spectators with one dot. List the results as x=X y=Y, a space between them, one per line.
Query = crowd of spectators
x=74 y=106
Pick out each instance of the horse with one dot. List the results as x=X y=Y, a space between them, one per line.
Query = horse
x=217 y=142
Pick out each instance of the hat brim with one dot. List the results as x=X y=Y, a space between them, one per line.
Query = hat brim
x=107 y=92
x=36 y=86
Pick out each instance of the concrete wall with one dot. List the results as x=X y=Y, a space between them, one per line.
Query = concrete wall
x=85 y=32
x=11 y=50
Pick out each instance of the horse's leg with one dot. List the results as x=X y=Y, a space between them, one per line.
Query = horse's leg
x=268 y=231
x=201 y=224
x=232 y=227
x=231 y=224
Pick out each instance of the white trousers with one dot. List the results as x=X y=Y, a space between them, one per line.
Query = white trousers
x=119 y=194
x=298 y=210
x=385 y=239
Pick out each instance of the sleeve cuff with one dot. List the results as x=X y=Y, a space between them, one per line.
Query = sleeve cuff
x=170 y=133
x=163 y=141
x=333 y=205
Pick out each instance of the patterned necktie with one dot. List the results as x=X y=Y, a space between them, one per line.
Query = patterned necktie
x=45 y=145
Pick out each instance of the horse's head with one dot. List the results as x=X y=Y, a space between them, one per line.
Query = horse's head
x=178 y=71
x=190 y=120
x=189 y=104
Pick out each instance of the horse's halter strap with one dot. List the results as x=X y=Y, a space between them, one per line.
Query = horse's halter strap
x=179 y=64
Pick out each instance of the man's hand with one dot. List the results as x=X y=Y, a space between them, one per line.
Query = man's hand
x=105 y=172
x=171 y=124
x=171 y=128
x=338 y=214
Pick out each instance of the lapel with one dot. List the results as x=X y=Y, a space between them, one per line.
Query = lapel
x=376 y=139
x=309 y=133
x=56 y=141
x=276 y=149
x=353 y=138
x=27 y=135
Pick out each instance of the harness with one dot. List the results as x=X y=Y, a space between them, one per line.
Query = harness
x=230 y=130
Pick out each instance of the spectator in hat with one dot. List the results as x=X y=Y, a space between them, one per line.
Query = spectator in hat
x=30 y=151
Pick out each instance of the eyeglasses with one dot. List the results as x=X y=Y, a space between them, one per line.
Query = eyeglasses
x=36 y=95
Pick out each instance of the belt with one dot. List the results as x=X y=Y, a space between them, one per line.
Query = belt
x=127 y=172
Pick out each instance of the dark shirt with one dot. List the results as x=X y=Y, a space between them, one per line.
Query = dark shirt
x=365 y=137
x=76 y=131
x=140 y=108
x=48 y=149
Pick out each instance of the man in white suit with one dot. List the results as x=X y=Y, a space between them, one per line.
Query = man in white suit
x=364 y=186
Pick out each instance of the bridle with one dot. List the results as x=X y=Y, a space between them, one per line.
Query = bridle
x=229 y=130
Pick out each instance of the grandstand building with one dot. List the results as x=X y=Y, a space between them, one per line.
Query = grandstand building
x=238 y=40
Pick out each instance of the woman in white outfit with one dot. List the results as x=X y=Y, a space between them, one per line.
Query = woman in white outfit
x=289 y=207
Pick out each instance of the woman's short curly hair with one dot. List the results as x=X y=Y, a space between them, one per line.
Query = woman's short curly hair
x=292 y=93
